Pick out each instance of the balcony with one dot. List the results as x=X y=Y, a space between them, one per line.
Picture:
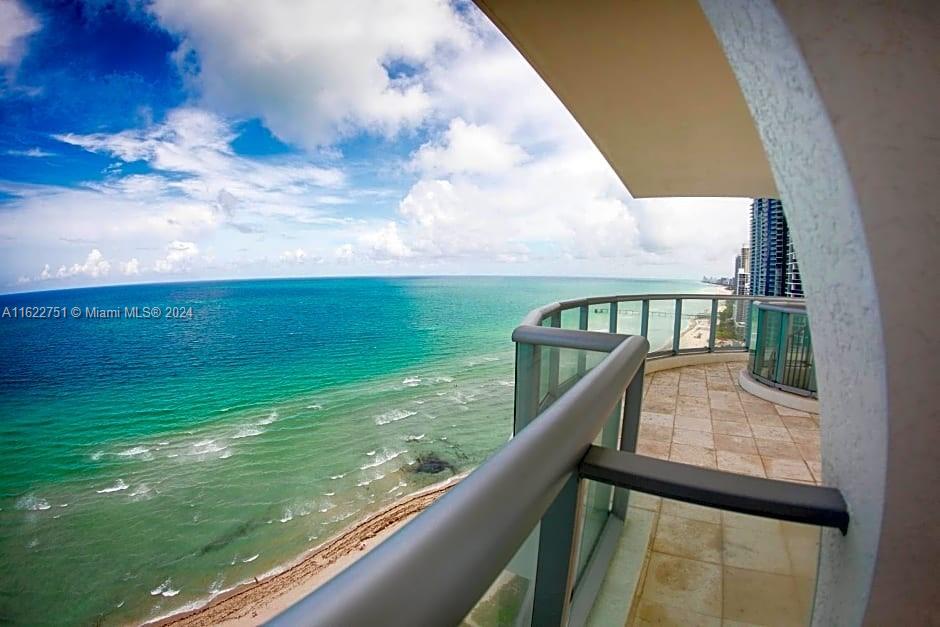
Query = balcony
x=640 y=487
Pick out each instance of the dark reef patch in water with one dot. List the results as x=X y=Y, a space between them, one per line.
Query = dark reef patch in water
x=431 y=464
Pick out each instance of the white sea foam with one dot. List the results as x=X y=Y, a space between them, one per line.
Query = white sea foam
x=96 y=455
x=273 y=416
x=335 y=477
x=370 y=453
x=327 y=507
x=315 y=407
x=412 y=381
x=141 y=492
x=361 y=484
x=385 y=457
x=287 y=516
x=32 y=503
x=141 y=452
x=117 y=487
x=414 y=438
x=164 y=589
x=206 y=447
x=343 y=517
x=226 y=454
x=329 y=494
x=247 y=432
x=251 y=559
x=441 y=379
x=508 y=384
x=393 y=416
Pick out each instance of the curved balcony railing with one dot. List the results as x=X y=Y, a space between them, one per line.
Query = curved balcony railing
x=782 y=351
x=674 y=324
x=527 y=537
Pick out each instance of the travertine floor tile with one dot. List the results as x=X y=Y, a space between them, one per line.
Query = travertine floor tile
x=654 y=418
x=787 y=469
x=756 y=549
x=688 y=510
x=740 y=429
x=695 y=455
x=740 y=463
x=736 y=444
x=655 y=432
x=691 y=584
x=727 y=415
x=803 y=548
x=653 y=448
x=787 y=411
x=810 y=436
x=798 y=422
x=764 y=420
x=771 y=433
x=701 y=416
x=684 y=537
x=659 y=614
x=778 y=449
x=762 y=598
x=644 y=501
x=699 y=438
x=693 y=424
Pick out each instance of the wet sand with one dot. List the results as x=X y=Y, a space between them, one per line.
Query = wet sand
x=256 y=602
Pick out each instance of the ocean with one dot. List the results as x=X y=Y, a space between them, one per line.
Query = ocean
x=147 y=464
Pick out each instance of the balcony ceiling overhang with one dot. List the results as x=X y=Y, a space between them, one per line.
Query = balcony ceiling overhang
x=650 y=84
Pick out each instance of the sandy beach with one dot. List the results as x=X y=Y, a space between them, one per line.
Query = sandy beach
x=256 y=602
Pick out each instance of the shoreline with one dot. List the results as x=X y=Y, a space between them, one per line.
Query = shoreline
x=254 y=602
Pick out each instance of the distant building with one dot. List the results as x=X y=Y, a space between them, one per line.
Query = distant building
x=794 y=283
x=773 y=266
x=741 y=286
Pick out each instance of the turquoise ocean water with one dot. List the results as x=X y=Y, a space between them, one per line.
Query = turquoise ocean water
x=147 y=465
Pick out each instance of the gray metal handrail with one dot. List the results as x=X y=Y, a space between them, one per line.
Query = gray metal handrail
x=435 y=569
x=756 y=496
x=537 y=315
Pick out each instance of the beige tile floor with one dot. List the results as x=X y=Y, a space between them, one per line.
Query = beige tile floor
x=704 y=566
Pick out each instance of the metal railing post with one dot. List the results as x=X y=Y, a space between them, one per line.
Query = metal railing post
x=613 y=317
x=629 y=434
x=558 y=546
x=780 y=366
x=677 y=327
x=528 y=376
x=582 y=325
x=747 y=324
x=553 y=360
x=713 y=326
x=645 y=318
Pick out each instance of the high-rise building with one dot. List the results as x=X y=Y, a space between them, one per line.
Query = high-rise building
x=741 y=283
x=774 y=269
x=794 y=286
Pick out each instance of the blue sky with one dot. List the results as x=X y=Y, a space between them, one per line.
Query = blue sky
x=171 y=140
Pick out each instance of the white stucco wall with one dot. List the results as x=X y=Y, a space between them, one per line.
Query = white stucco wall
x=842 y=301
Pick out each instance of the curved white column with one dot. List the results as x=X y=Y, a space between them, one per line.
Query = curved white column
x=842 y=301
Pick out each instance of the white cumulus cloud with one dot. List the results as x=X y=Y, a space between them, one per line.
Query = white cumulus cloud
x=95 y=266
x=179 y=257
x=298 y=255
x=130 y=267
x=16 y=24
x=313 y=71
x=468 y=148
